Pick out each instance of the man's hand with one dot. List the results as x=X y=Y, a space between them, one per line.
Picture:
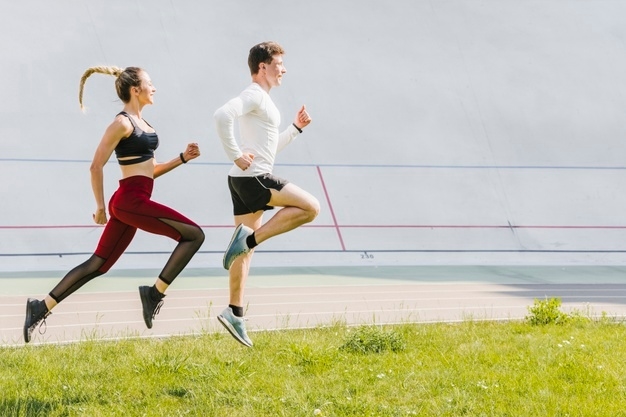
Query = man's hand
x=302 y=119
x=244 y=161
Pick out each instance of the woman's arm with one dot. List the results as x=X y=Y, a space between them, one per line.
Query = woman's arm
x=117 y=130
x=192 y=152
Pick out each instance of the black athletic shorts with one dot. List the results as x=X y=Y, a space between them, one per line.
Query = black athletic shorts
x=251 y=194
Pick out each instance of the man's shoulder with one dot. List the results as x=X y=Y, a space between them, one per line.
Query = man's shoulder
x=253 y=94
x=254 y=89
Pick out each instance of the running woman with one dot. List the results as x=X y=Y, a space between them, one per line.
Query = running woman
x=130 y=208
x=252 y=186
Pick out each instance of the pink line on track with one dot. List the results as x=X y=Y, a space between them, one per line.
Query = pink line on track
x=358 y=226
x=330 y=206
x=467 y=226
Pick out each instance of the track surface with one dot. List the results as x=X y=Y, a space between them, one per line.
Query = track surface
x=282 y=298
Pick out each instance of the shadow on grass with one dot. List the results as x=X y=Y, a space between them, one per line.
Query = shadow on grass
x=26 y=407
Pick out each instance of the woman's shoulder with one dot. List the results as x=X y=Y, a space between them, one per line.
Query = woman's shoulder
x=121 y=124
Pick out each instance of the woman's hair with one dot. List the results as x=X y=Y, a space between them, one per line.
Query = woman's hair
x=263 y=52
x=124 y=80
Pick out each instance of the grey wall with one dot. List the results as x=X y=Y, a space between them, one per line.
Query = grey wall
x=444 y=131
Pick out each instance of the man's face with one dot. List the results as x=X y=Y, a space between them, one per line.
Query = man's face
x=274 y=71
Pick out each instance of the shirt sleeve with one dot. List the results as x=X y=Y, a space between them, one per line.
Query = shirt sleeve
x=286 y=136
x=225 y=120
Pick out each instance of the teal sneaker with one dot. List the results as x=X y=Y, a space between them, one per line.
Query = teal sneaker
x=237 y=245
x=236 y=326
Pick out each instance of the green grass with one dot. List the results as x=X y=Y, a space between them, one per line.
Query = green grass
x=567 y=368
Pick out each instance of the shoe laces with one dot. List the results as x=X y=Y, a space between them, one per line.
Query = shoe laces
x=44 y=324
x=157 y=308
x=242 y=325
x=41 y=325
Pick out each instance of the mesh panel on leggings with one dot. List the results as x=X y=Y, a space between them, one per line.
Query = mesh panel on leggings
x=191 y=238
x=77 y=277
x=190 y=241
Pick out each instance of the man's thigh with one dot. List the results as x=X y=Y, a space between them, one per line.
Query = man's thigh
x=292 y=196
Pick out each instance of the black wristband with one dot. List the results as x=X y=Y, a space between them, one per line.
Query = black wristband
x=299 y=130
x=182 y=158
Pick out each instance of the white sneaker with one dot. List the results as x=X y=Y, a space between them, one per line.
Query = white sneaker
x=237 y=245
x=236 y=326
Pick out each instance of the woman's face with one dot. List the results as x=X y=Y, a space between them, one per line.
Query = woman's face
x=146 y=90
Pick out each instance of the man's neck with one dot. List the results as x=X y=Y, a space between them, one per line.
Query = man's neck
x=262 y=83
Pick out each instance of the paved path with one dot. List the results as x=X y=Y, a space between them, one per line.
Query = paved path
x=109 y=307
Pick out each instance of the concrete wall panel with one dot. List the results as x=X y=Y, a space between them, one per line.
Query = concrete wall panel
x=445 y=132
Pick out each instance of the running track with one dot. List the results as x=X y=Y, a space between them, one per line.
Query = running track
x=290 y=298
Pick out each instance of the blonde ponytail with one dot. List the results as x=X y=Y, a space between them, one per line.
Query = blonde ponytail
x=114 y=71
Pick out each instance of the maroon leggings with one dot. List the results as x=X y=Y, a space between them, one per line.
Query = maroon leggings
x=131 y=208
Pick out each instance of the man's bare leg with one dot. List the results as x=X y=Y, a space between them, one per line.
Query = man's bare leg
x=232 y=317
x=299 y=207
x=238 y=272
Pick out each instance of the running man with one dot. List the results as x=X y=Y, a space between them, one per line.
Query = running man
x=252 y=186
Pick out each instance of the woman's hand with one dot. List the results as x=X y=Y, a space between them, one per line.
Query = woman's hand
x=192 y=152
x=100 y=216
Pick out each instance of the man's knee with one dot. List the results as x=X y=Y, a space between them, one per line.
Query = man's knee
x=312 y=210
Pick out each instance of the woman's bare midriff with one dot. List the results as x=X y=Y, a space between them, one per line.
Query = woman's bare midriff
x=145 y=168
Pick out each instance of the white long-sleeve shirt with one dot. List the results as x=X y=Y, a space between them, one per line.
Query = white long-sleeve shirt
x=259 y=121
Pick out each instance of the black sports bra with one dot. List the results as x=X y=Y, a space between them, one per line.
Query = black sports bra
x=139 y=143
